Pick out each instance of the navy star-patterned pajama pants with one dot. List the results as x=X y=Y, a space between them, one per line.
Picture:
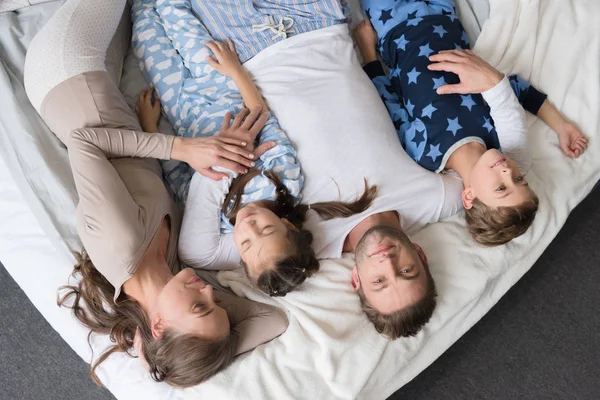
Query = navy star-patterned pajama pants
x=429 y=124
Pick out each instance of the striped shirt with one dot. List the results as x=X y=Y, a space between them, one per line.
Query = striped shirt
x=256 y=25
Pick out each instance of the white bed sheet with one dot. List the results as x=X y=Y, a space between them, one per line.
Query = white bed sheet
x=334 y=352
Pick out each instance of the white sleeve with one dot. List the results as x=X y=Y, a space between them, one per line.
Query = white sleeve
x=201 y=243
x=510 y=122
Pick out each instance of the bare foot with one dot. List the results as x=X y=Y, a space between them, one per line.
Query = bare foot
x=366 y=39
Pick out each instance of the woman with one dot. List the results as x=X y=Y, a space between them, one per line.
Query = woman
x=126 y=217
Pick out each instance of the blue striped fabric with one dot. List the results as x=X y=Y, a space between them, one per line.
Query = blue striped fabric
x=255 y=25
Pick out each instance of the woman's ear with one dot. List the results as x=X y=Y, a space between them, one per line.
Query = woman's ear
x=289 y=224
x=157 y=326
x=421 y=252
x=467 y=198
x=138 y=345
x=355 y=279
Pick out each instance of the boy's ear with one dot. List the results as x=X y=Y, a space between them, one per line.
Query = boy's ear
x=421 y=252
x=289 y=224
x=355 y=279
x=468 y=198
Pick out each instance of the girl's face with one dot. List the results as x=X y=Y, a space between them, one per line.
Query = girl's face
x=497 y=182
x=260 y=237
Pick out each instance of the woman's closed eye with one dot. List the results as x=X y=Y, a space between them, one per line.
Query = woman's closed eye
x=199 y=308
x=245 y=244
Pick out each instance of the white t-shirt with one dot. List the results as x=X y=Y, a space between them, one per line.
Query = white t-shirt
x=315 y=86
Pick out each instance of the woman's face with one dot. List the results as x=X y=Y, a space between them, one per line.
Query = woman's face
x=186 y=304
x=260 y=237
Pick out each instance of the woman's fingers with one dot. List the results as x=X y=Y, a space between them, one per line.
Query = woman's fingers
x=230 y=140
x=232 y=166
x=236 y=158
x=241 y=151
x=212 y=174
x=251 y=118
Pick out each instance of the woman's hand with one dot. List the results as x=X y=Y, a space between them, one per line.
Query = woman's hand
x=246 y=127
x=227 y=61
x=232 y=149
x=147 y=112
x=476 y=75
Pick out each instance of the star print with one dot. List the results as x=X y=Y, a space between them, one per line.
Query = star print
x=425 y=50
x=368 y=12
x=389 y=88
x=457 y=47
x=437 y=82
x=487 y=125
x=401 y=42
x=409 y=107
x=439 y=29
x=386 y=15
x=413 y=75
x=428 y=110
x=465 y=38
x=413 y=20
x=419 y=137
x=449 y=14
x=434 y=152
x=467 y=101
x=453 y=125
x=395 y=73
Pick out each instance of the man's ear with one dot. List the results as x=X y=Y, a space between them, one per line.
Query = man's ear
x=289 y=224
x=157 y=326
x=467 y=198
x=421 y=252
x=355 y=279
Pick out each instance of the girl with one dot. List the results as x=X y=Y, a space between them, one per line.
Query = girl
x=130 y=283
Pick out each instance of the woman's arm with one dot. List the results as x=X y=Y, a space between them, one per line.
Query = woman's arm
x=256 y=323
x=228 y=64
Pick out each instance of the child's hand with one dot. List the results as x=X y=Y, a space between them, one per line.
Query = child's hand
x=147 y=112
x=227 y=61
x=571 y=140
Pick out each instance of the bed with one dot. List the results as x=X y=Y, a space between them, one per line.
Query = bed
x=330 y=350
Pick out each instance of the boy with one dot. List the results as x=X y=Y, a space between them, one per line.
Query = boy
x=469 y=127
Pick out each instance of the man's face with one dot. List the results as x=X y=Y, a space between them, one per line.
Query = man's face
x=389 y=269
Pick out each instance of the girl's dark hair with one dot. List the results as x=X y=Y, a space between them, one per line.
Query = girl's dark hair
x=181 y=360
x=291 y=271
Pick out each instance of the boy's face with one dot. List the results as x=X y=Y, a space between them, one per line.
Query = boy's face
x=389 y=270
x=497 y=182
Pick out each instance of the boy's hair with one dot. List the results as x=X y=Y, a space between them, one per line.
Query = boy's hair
x=407 y=321
x=291 y=271
x=494 y=227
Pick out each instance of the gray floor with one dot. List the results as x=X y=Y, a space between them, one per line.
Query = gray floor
x=539 y=342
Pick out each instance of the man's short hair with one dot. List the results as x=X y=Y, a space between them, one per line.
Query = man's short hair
x=405 y=322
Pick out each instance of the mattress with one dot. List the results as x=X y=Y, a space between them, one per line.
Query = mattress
x=330 y=350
